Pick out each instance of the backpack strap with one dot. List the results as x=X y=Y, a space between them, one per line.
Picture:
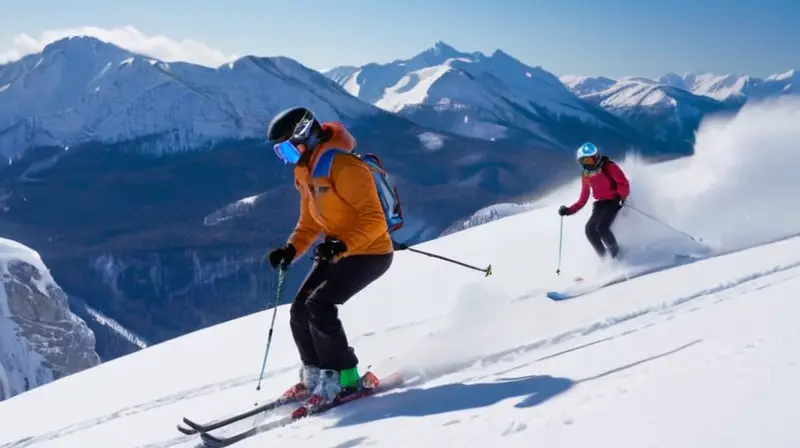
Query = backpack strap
x=387 y=193
x=322 y=168
x=603 y=170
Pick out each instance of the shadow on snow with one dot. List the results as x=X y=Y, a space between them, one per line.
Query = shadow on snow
x=533 y=391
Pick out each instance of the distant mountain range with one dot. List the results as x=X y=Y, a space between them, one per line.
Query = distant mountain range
x=147 y=187
x=497 y=96
x=492 y=97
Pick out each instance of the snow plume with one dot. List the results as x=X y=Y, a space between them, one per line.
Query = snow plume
x=736 y=191
x=477 y=327
x=127 y=37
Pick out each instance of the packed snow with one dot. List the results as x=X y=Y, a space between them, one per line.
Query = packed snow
x=704 y=354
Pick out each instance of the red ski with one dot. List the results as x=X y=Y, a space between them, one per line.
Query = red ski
x=372 y=387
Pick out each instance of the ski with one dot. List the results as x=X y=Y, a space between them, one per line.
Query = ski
x=211 y=441
x=581 y=286
x=195 y=427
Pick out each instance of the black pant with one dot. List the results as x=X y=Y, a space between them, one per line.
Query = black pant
x=314 y=316
x=598 y=227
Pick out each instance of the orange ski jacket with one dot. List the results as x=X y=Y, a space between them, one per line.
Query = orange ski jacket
x=342 y=204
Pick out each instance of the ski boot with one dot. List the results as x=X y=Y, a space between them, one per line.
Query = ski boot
x=309 y=378
x=337 y=385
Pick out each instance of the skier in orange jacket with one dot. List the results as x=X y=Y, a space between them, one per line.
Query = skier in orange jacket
x=338 y=201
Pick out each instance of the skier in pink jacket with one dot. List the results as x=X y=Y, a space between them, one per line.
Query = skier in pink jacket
x=609 y=187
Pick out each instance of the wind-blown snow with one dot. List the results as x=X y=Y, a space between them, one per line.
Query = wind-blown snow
x=662 y=360
x=707 y=195
x=713 y=195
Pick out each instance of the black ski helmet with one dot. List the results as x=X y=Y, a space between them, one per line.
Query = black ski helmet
x=286 y=126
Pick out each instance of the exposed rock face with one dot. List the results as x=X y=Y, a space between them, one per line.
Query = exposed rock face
x=41 y=340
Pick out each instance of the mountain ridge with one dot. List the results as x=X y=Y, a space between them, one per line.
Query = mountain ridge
x=492 y=97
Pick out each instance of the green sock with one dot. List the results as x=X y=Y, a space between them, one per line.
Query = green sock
x=349 y=377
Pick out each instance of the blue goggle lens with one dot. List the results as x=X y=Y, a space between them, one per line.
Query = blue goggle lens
x=287 y=152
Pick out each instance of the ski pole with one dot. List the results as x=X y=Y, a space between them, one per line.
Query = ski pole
x=560 y=244
x=487 y=270
x=699 y=240
x=271 y=326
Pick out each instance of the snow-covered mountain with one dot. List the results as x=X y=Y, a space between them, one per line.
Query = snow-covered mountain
x=40 y=339
x=81 y=89
x=486 y=96
x=584 y=85
x=736 y=88
x=659 y=109
x=491 y=361
x=673 y=105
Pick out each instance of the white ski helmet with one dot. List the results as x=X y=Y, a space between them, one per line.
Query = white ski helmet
x=588 y=156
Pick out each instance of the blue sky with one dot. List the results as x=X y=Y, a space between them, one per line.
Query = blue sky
x=586 y=37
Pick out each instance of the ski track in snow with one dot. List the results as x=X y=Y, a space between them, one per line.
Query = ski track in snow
x=143 y=407
x=734 y=288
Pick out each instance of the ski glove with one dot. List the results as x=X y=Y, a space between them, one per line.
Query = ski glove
x=329 y=249
x=282 y=256
x=563 y=210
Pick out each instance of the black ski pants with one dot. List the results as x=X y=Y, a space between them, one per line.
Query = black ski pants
x=314 y=314
x=598 y=227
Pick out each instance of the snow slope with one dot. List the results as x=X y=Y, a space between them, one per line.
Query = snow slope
x=473 y=94
x=81 y=89
x=40 y=338
x=701 y=355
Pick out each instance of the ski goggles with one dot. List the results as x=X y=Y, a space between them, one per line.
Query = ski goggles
x=589 y=160
x=287 y=150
